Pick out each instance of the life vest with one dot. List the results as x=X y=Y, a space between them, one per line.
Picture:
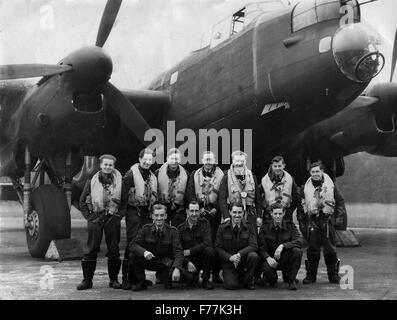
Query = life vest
x=235 y=187
x=207 y=188
x=102 y=199
x=143 y=193
x=321 y=198
x=172 y=190
x=278 y=191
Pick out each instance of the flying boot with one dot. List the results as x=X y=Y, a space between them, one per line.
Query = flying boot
x=332 y=263
x=88 y=267
x=113 y=271
x=311 y=268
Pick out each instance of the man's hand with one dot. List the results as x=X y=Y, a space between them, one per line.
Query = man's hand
x=235 y=259
x=191 y=267
x=148 y=255
x=176 y=275
x=271 y=262
x=226 y=219
x=186 y=253
x=277 y=253
x=213 y=212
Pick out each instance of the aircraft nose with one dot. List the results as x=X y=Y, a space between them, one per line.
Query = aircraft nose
x=356 y=52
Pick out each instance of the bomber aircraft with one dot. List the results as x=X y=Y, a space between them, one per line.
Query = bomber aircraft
x=296 y=76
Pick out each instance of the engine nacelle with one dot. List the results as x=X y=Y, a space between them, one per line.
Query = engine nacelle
x=386 y=109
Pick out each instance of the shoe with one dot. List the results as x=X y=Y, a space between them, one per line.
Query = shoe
x=115 y=284
x=332 y=264
x=207 y=285
x=250 y=285
x=292 y=286
x=88 y=267
x=148 y=283
x=311 y=272
x=84 y=285
x=216 y=278
x=261 y=282
x=113 y=271
x=140 y=286
x=126 y=285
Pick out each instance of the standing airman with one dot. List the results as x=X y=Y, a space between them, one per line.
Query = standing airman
x=141 y=185
x=322 y=202
x=101 y=204
x=203 y=187
x=240 y=185
x=172 y=181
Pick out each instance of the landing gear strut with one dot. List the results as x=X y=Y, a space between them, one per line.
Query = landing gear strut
x=46 y=209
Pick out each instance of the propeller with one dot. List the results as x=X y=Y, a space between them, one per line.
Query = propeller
x=18 y=71
x=394 y=58
x=108 y=18
x=128 y=114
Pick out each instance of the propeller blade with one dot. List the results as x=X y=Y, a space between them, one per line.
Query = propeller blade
x=107 y=22
x=394 y=58
x=20 y=71
x=128 y=114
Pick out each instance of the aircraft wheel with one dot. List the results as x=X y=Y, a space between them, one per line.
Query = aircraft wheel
x=49 y=219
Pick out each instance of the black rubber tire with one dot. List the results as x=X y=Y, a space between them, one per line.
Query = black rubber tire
x=53 y=213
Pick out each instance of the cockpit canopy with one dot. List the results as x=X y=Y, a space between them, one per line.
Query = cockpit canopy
x=231 y=25
x=309 y=12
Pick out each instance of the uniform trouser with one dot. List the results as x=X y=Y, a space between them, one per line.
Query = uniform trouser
x=289 y=263
x=134 y=221
x=111 y=228
x=203 y=261
x=321 y=234
x=139 y=264
x=214 y=224
x=234 y=278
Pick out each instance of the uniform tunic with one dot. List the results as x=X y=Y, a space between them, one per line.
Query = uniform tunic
x=198 y=240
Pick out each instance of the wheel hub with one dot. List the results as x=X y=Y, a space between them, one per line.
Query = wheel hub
x=33 y=224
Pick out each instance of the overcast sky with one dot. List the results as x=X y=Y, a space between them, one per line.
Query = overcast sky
x=149 y=37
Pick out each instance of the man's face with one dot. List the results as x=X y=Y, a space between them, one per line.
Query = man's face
x=208 y=161
x=159 y=217
x=147 y=161
x=193 y=213
x=107 y=166
x=278 y=215
x=316 y=173
x=278 y=167
x=236 y=213
x=239 y=161
x=173 y=161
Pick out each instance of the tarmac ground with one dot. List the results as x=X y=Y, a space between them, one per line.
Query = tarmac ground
x=368 y=272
